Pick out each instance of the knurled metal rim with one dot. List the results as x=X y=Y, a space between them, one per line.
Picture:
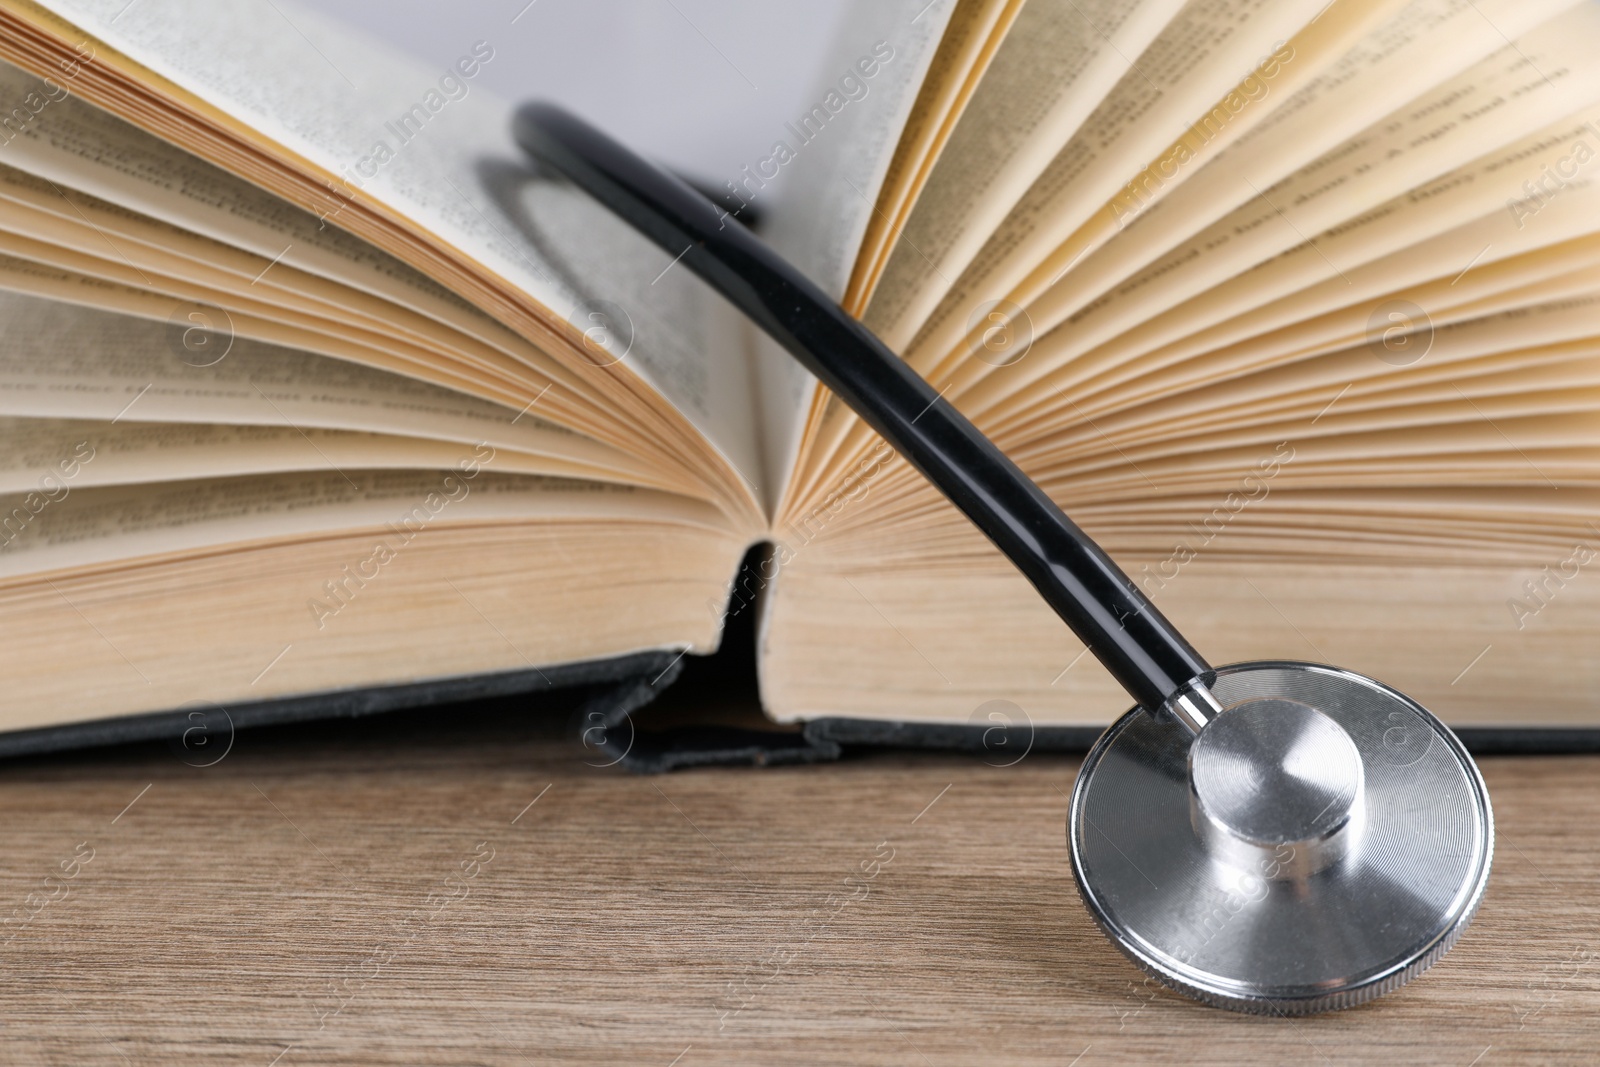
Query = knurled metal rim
x=1267 y=1003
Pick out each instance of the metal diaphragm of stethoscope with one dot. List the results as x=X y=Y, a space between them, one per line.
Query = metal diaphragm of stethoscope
x=1278 y=838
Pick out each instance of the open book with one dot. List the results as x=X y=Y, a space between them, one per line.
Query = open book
x=311 y=383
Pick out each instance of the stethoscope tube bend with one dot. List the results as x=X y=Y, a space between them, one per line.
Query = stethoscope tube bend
x=1140 y=648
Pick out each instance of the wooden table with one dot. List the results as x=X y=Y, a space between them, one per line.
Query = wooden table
x=415 y=891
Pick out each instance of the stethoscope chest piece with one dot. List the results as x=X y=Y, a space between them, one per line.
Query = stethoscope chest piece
x=1320 y=841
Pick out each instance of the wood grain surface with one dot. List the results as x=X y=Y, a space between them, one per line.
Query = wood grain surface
x=449 y=893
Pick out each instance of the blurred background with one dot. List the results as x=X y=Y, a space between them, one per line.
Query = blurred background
x=699 y=85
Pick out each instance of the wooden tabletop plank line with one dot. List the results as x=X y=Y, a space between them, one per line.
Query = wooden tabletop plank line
x=432 y=895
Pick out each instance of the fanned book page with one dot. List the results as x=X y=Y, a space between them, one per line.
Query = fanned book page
x=310 y=383
x=1298 y=314
x=336 y=425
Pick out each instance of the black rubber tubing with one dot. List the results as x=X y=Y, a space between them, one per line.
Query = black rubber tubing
x=1073 y=574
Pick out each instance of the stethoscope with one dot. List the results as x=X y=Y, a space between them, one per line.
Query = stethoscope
x=1269 y=837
